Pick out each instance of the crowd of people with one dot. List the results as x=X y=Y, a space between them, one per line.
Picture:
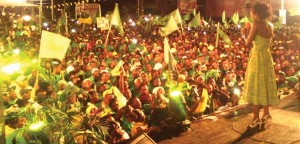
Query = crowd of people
x=126 y=86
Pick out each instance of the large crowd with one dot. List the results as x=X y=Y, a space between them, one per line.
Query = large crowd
x=117 y=91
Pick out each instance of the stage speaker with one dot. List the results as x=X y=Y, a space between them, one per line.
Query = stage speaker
x=142 y=139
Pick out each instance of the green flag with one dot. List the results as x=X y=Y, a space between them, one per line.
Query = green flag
x=115 y=19
x=278 y=24
x=170 y=27
x=194 y=12
x=187 y=16
x=176 y=15
x=294 y=11
x=196 y=21
x=225 y=38
x=223 y=17
x=244 y=20
x=168 y=56
x=235 y=18
x=224 y=20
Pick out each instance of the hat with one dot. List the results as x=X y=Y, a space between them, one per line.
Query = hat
x=223 y=55
x=94 y=69
x=155 y=90
x=104 y=71
x=22 y=91
x=210 y=47
x=157 y=66
x=226 y=46
x=21 y=78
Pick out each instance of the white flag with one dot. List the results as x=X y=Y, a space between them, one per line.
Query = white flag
x=53 y=45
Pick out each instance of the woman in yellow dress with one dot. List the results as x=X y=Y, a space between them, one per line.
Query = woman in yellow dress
x=260 y=88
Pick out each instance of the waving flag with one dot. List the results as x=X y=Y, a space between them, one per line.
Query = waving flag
x=196 y=21
x=115 y=19
x=235 y=18
x=170 y=27
x=168 y=56
x=53 y=45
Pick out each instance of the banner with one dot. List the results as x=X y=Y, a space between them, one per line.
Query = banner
x=186 y=6
x=53 y=45
x=102 y=23
x=87 y=10
x=85 y=20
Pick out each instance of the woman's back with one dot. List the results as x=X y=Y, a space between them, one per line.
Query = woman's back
x=264 y=29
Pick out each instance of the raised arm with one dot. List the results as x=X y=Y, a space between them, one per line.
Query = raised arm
x=252 y=34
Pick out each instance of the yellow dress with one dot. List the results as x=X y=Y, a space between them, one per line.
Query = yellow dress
x=260 y=86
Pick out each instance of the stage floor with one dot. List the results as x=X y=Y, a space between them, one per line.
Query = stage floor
x=231 y=127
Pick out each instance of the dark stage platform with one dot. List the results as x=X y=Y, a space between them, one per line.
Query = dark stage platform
x=230 y=127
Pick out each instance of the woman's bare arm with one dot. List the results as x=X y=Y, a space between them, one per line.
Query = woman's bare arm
x=252 y=34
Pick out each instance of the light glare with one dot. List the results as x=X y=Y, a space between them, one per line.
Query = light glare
x=134 y=40
x=26 y=18
x=236 y=91
x=12 y=68
x=16 y=51
x=36 y=126
x=175 y=93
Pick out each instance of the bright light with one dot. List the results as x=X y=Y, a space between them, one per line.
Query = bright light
x=94 y=29
x=236 y=91
x=175 y=93
x=36 y=126
x=73 y=30
x=48 y=28
x=12 y=68
x=134 y=40
x=26 y=18
x=133 y=24
x=189 y=28
x=130 y=21
x=204 y=33
x=45 y=24
x=146 y=19
x=238 y=26
x=3 y=13
x=16 y=51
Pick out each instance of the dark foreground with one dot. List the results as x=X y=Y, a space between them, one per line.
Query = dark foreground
x=230 y=127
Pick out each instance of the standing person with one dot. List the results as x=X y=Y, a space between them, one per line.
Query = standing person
x=260 y=88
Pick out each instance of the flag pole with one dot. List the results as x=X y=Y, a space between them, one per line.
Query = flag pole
x=217 y=36
x=66 y=25
x=106 y=40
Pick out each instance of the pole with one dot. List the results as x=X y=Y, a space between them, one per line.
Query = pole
x=64 y=1
x=100 y=10
x=282 y=4
x=66 y=25
x=41 y=15
x=2 y=119
x=52 y=10
x=106 y=40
